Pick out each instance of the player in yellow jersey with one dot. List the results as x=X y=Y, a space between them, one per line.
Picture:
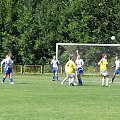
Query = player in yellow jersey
x=70 y=70
x=103 y=63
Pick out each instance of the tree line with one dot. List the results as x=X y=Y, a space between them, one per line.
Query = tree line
x=30 y=29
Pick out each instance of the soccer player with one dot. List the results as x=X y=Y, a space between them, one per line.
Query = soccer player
x=117 y=68
x=103 y=63
x=66 y=72
x=7 y=68
x=71 y=70
x=79 y=65
x=55 y=65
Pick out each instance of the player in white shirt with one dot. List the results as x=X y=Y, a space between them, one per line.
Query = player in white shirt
x=79 y=65
x=117 y=68
x=55 y=64
x=7 y=68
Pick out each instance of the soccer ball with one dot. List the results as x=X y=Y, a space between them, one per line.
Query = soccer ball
x=113 y=38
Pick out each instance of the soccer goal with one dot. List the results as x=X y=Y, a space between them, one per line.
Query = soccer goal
x=90 y=53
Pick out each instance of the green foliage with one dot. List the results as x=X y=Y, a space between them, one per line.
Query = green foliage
x=31 y=29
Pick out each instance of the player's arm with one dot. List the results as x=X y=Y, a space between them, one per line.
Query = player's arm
x=99 y=62
x=51 y=62
x=82 y=63
x=58 y=63
x=10 y=62
x=2 y=62
x=114 y=65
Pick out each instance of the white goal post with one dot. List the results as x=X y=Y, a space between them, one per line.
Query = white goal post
x=90 y=53
x=80 y=44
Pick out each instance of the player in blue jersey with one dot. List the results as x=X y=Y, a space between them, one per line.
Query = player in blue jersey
x=79 y=65
x=7 y=62
x=117 y=68
x=55 y=65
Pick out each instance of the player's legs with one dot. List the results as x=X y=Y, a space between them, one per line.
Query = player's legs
x=56 y=75
x=114 y=75
x=103 y=81
x=64 y=80
x=107 y=81
x=53 y=76
x=79 y=79
x=71 y=79
x=79 y=72
x=9 y=72
x=105 y=78
x=4 y=77
x=11 y=79
x=6 y=71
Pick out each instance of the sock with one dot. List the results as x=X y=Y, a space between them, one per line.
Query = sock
x=107 y=81
x=56 y=77
x=72 y=80
x=69 y=81
x=3 y=80
x=113 y=78
x=11 y=80
x=80 y=81
x=103 y=81
x=64 y=79
x=53 y=77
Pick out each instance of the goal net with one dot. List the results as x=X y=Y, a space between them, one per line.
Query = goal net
x=90 y=53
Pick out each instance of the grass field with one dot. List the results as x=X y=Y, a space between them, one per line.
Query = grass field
x=36 y=97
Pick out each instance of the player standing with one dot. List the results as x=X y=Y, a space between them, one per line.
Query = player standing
x=55 y=65
x=7 y=68
x=117 y=68
x=103 y=63
x=79 y=65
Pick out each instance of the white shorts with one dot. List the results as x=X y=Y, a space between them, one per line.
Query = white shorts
x=104 y=72
x=71 y=75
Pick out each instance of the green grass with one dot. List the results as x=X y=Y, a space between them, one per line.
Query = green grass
x=36 y=97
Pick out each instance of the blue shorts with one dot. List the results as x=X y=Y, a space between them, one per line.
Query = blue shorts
x=117 y=71
x=55 y=70
x=80 y=70
x=7 y=70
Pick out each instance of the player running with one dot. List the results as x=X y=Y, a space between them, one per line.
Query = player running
x=7 y=68
x=117 y=68
x=55 y=65
x=79 y=65
x=66 y=72
x=103 y=63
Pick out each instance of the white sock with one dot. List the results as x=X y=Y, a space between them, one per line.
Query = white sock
x=103 y=80
x=69 y=81
x=107 y=81
x=72 y=80
x=64 y=79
